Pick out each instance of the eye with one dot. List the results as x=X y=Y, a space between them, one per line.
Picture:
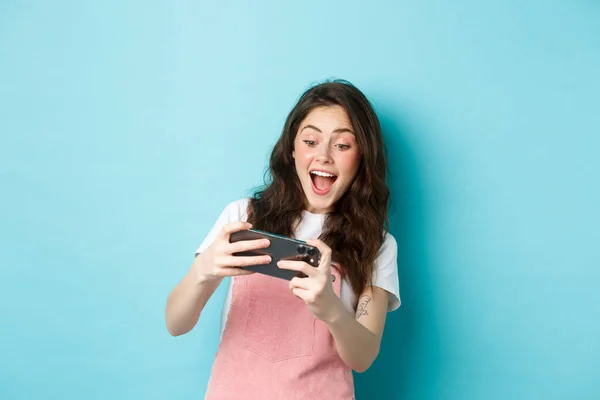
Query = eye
x=310 y=143
x=342 y=146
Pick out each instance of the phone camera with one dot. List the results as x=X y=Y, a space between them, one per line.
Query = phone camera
x=301 y=249
x=311 y=251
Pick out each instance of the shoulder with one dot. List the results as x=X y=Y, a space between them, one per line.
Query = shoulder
x=389 y=244
x=236 y=210
x=233 y=212
x=238 y=204
x=388 y=254
x=385 y=274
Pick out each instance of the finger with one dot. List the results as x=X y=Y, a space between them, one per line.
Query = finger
x=241 y=261
x=228 y=229
x=302 y=294
x=301 y=283
x=325 y=251
x=246 y=245
x=299 y=266
x=234 y=271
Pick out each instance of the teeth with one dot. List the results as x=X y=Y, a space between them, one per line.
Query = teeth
x=325 y=174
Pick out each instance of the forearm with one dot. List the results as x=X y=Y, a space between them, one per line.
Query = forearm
x=357 y=346
x=186 y=301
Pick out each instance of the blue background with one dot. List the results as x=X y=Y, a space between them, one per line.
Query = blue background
x=126 y=126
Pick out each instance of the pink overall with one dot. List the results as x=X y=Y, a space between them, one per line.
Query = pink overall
x=273 y=348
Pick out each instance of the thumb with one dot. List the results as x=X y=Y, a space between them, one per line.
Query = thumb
x=232 y=227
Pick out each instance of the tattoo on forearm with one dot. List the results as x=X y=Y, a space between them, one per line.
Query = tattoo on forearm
x=362 y=306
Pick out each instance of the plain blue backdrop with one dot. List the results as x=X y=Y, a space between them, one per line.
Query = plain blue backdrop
x=126 y=126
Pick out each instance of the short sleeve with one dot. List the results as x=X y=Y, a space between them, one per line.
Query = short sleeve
x=233 y=212
x=386 y=271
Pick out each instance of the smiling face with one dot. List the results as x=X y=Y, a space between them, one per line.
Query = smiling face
x=326 y=156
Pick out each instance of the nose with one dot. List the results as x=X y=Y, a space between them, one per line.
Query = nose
x=323 y=154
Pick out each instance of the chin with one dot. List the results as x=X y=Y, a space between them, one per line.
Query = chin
x=319 y=205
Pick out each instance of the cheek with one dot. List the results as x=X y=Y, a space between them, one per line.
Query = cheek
x=302 y=156
x=348 y=163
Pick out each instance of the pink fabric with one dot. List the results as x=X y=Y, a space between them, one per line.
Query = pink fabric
x=273 y=348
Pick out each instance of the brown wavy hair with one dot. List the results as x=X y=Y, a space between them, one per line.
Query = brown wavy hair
x=356 y=227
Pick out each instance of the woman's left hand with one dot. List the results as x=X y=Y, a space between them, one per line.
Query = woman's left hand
x=315 y=289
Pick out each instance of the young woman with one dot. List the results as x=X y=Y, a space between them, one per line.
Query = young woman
x=301 y=339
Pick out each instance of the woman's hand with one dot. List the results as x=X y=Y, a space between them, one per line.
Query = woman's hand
x=315 y=289
x=218 y=260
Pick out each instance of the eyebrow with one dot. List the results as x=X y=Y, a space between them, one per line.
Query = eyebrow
x=338 y=130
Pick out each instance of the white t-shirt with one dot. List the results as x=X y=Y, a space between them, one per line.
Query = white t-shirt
x=385 y=274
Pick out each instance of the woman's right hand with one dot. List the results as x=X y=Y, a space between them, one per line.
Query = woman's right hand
x=218 y=260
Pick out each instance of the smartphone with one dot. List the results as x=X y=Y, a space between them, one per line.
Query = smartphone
x=281 y=248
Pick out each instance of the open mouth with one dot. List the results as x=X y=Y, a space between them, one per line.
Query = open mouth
x=322 y=181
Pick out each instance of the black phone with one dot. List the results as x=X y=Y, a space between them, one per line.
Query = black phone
x=280 y=248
